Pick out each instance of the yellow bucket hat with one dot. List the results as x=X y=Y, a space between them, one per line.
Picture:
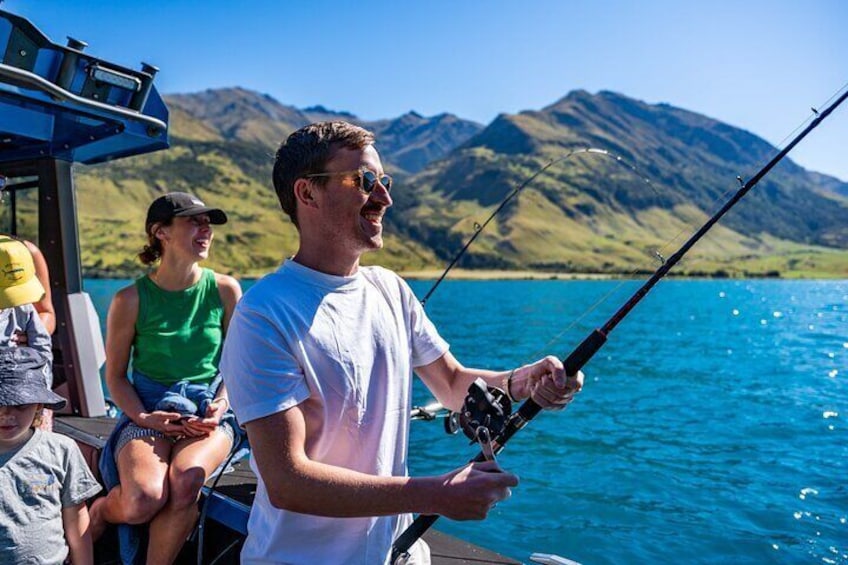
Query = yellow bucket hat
x=18 y=283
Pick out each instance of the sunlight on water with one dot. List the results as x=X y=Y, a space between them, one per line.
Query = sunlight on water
x=705 y=434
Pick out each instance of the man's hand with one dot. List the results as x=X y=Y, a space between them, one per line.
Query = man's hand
x=471 y=491
x=546 y=383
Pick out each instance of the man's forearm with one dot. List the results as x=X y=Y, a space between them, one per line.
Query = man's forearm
x=326 y=490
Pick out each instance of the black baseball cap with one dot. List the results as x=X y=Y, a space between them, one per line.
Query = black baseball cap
x=181 y=204
x=23 y=379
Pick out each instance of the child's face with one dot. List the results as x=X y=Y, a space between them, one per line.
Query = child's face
x=15 y=423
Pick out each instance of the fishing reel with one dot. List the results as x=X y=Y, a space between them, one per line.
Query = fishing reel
x=485 y=406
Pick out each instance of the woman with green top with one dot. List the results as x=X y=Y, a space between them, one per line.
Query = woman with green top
x=171 y=323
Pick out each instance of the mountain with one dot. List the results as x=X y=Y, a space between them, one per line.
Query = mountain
x=413 y=141
x=235 y=114
x=593 y=214
x=240 y=115
x=830 y=184
x=655 y=173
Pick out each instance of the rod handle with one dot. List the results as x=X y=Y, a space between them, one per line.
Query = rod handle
x=415 y=530
x=573 y=363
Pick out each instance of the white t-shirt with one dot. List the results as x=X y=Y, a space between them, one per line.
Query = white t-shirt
x=343 y=348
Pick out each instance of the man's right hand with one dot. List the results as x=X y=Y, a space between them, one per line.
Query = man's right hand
x=471 y=491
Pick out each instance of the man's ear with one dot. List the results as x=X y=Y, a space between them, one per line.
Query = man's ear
x=304 y=192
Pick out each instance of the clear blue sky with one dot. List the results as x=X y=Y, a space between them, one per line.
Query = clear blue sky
x=759 y=65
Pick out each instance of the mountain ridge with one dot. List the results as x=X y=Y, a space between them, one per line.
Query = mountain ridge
x=587 y=214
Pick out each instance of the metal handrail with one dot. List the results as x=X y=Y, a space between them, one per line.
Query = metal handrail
x=45 y=85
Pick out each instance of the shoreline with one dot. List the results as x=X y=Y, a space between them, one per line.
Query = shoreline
x=496 y=274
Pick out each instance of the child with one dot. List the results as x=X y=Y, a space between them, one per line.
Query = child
x=19 y=321
x=44 y=480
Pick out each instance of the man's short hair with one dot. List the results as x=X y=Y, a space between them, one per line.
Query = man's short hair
x=307 y=151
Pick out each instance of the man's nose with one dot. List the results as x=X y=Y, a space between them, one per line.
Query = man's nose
x=381 y=194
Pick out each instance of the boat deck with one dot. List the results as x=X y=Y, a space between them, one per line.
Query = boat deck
x=235 y=491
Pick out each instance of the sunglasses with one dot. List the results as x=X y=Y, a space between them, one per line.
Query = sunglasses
x=366 y=179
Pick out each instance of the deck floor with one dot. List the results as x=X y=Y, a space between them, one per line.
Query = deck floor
x=240 y=485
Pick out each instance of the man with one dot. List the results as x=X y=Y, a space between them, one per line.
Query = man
x=318 y=362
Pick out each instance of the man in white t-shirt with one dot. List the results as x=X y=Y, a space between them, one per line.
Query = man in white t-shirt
x=318 y=361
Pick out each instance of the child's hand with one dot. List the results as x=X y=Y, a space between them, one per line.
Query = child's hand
x=20 y=339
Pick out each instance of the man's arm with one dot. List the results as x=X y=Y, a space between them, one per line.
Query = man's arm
x=544 y=380
x=297 y=483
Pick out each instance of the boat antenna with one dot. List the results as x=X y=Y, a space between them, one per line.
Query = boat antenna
x=596 y=339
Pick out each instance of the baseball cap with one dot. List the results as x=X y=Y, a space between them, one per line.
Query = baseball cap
x=181 y=204
x=22 y=379
x=18 y=283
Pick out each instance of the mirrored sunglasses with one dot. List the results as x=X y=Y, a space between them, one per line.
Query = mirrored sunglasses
x=366 y=179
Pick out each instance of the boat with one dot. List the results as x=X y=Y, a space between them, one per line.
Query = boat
x=59 y=105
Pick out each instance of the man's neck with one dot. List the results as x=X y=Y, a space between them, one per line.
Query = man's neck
x=327 y=264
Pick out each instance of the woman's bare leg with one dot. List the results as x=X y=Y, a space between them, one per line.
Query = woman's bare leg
x=143 y=468
x=192 y=461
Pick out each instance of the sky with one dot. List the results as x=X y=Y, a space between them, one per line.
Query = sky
x=755 y=64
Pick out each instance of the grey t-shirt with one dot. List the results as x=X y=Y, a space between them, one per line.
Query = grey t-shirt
x=38 y=480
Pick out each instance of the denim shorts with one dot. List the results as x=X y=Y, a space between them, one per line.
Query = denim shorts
x=150 y=392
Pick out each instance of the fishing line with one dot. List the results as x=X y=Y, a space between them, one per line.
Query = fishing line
x=660 y=253
x=478 y=228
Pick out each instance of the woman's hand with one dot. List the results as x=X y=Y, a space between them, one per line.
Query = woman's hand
x=166 y=422
x=204 y=426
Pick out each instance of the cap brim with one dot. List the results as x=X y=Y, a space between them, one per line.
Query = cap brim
x=27 y=293
x=216 y=215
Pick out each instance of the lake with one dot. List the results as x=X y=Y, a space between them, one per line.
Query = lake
x=711 y=429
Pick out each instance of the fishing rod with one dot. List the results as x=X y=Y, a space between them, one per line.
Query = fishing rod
x=478 y=228
x=596 y=339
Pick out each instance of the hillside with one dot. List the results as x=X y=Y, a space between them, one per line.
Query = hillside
x=591 y=214
x=588 y=213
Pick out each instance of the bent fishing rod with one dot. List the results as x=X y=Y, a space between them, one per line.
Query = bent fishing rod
x=478 y=228
x=581 y=355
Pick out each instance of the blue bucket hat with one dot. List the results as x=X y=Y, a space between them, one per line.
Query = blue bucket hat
x=22 y=379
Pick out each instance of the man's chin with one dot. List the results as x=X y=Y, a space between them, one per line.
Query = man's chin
x=374 y=243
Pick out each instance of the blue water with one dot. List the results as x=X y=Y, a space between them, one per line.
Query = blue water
x=712 y=427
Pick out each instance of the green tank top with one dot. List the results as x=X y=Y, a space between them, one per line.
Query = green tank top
x=178 y=334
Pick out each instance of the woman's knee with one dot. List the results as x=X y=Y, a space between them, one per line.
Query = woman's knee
x=143 y=502
x=185 y=485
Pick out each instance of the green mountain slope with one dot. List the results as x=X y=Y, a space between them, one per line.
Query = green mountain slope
x=589 y=213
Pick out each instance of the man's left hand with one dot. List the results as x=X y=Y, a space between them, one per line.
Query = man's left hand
x=546 y=383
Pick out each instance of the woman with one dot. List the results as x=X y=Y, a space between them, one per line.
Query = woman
x=173 y=322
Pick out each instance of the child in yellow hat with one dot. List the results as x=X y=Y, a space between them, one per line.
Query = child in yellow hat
x=19 y=321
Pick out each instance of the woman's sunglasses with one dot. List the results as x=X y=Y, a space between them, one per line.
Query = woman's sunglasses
x=366 y=179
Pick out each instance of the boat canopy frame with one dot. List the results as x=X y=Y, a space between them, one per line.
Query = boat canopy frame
x=60 y=106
